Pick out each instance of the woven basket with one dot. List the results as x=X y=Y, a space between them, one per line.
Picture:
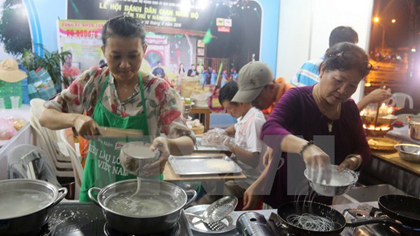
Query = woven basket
x=10 y=89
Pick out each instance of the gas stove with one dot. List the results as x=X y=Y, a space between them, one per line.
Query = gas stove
x=86 y=219
x=362 y=212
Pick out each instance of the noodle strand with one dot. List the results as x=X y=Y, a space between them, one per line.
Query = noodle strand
x=311 y=222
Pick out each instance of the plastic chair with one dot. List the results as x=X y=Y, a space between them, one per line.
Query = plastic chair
x=30 y=162
x=75 y=159
x=399 y=99
x=49 y=142
x=403 y=118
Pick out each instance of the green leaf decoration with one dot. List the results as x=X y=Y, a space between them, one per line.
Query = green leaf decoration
x=151 y=114
x=153 y=103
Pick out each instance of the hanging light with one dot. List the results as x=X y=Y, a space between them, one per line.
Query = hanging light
x=202 y=4
x=185 y=5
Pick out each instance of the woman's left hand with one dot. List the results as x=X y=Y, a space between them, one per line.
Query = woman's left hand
x=349 y=163
x=161 y=144
x=251 y=199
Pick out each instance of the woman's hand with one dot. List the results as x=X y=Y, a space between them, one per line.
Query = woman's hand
x=349 y=163
x=317 y=164
x=215 y=137
x=85 y=126
x=379 y=95
x=161 y=144
x=268 y=155
x=251 y=199
x=130 y=164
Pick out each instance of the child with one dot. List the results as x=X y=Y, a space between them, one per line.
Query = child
x=242 y=139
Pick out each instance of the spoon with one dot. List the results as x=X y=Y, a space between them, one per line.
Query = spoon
x=217 y=210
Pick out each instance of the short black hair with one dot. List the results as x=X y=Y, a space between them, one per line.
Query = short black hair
x=123 y=26
x=228 y=91
x=347 y=56
x=343 y=34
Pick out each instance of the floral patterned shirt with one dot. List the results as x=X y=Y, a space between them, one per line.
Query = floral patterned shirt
x=163 y=104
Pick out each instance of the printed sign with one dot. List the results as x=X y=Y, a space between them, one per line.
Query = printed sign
x=223 y=29
x=220 y=22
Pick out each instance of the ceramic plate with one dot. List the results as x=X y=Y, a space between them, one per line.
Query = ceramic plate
x=197 y=225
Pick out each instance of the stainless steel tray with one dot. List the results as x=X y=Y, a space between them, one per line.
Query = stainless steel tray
x=204 y=165
x=202 y=148
x=197 y=225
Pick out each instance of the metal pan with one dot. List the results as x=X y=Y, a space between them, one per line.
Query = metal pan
x=401 y=207
x=204 y=165
x=300 y=207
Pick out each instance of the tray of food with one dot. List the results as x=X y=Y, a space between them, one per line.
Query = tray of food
x=204 y=165
x=203 y=147
x=382 y=144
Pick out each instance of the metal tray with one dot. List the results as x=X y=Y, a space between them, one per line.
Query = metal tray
x=203 y=165
x=202 y=148
x=197 y=225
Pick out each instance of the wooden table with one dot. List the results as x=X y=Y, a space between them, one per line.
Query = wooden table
x=206 y=112
x=389 y=168
x=395 y=159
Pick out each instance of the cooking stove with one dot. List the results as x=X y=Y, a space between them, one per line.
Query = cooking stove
x=174 y=231
x=377 y=213
x=362 y=212
x=86 y=219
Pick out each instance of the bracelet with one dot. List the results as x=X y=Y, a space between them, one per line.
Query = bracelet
x=358 y=158
x=309 y=143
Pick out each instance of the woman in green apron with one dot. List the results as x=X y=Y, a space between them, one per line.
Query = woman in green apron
x=120 y=96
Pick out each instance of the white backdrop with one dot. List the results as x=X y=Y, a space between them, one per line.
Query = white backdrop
x=305 y=26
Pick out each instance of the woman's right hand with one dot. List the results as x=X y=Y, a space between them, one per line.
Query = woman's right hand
x=318 y=164
x=85 y=126
x=379 y=95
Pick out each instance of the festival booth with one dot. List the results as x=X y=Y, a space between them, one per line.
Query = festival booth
x=197 y=47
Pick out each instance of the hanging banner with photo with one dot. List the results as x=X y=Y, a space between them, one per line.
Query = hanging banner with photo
x=83 y=39
x=186 y=35
x=175 y=14
x=229 y=29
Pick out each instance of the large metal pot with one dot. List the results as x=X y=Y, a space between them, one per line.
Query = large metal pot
x=414 y=126
x=143 y=224
x=30 y=216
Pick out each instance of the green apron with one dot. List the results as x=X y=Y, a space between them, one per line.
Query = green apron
x=103 y=163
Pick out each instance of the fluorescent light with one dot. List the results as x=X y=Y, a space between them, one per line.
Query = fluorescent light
x=185 y=5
